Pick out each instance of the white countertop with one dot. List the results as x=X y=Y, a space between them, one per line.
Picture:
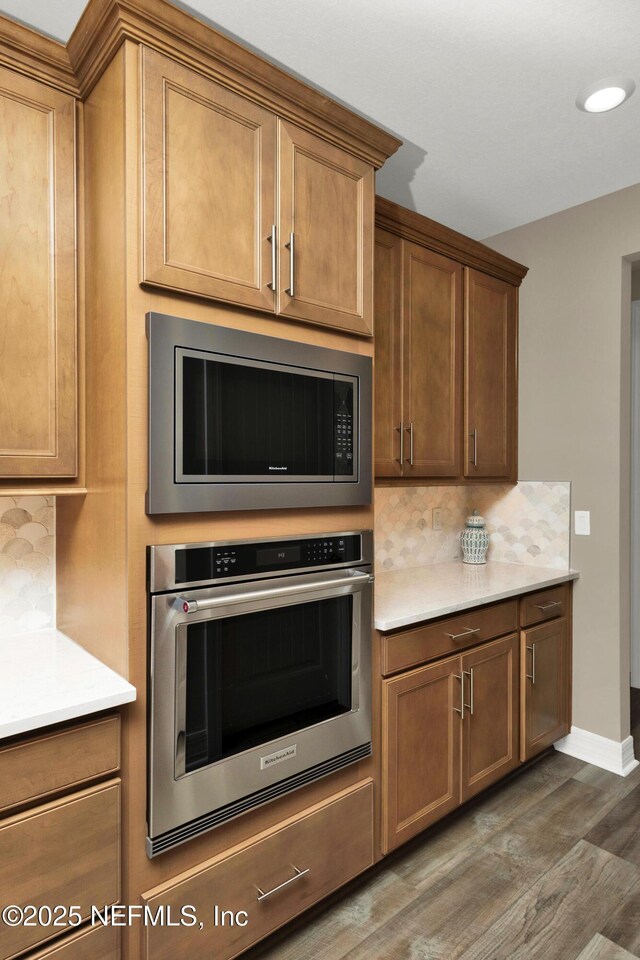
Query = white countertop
x=47 y=678
x=403 y=597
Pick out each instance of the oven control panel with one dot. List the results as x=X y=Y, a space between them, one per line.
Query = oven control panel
x=204 y=563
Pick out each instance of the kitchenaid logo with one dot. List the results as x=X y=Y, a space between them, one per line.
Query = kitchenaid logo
x=278 y=468
x=279 y=756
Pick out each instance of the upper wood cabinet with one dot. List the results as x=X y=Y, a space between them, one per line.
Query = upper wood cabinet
x=387 y=416
x=491 y=395
x=326 y=228
x=38 y=432
x=209 y=187
x=212 y=160
x=445 y=352
x=432 y=349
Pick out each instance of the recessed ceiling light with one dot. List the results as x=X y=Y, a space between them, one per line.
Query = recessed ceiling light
x=605 y=94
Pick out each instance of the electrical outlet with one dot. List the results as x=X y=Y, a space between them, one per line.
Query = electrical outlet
x=436 y=518
x=582 y=523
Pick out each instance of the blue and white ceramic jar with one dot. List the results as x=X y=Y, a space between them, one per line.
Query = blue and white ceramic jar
x=474 y=540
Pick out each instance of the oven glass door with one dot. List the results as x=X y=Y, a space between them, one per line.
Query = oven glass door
x=245 y=421
x=255 y=677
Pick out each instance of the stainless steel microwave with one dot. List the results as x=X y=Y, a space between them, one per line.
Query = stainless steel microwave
x=240 y=421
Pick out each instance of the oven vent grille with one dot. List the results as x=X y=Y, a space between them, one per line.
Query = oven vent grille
x=172 y=838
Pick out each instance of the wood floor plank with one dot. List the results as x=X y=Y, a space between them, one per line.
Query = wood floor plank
x=455 y=840
x=623 y=926
x=619 y=831
x=599 y=948
x=438 y=897
x=609 y=783
x=563 y=910
x=453 y=912
x=345 y=924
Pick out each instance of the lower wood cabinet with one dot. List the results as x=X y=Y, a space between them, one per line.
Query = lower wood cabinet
x=66 y=852
x=544 y=692
x=94 y=943
x=455 y=724
x=490 y=730
x=420 y=750
x=266 y=881
x=62 y=852
x=450 y=730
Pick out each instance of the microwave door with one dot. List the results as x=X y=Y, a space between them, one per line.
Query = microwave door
x=249 y=421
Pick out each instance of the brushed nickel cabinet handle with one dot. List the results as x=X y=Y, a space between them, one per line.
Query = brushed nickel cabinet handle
x=549 y=605
x=475 y=447
x=290 y=247
x=401 y=431
x=467 y=632
x=460 y=710
x=532 y=676
x=469 y=705
x=410 y=429
x=274 y=275
x=297 y=875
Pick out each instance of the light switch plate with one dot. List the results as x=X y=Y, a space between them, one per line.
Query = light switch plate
x=582 y=523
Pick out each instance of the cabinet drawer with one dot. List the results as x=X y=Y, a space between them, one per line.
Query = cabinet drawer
x=96 y=943
x=66 y=852
x=330 y=842
x=66 y=758
x=544 y=605
x=409 y=648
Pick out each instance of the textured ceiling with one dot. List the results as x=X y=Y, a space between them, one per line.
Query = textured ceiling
x=481 y=91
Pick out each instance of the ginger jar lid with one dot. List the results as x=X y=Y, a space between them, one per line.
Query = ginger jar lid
x=475 y=520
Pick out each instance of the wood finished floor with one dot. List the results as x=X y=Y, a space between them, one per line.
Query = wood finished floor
x=545 y=867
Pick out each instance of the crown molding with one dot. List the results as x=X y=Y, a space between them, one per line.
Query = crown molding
x=31 y=53
x=429 y=233
x=105 y=24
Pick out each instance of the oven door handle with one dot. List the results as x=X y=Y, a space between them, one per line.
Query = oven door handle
x=353 y=578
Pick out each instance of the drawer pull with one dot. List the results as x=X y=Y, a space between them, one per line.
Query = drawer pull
x=281 y=886
x=547 y=606
x=467 y=632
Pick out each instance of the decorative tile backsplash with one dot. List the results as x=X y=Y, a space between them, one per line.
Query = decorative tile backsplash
x=27 y=564
x=528 y=523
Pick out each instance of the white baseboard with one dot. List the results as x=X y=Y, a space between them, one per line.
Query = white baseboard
x=600 y=751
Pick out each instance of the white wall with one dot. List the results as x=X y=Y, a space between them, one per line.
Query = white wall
x=574 y=420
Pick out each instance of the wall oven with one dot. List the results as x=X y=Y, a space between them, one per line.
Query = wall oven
x=260 y=674
x=240 y=421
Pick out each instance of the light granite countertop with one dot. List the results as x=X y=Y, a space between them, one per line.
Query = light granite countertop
x=46 y=678
x=404 y=597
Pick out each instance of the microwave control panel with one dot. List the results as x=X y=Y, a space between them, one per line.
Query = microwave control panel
x=344 y=444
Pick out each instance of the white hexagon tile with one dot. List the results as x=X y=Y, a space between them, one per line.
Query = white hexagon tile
x=527 y=523
x=27 y=564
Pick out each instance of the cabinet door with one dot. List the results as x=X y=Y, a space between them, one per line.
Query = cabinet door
x=326 y=233
x=432 y=316
x=421 y=749
x=544 y=686
x=37 y=279
x=490 y=729
x=209 y=187
x=388 y=361
x=490 y=423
